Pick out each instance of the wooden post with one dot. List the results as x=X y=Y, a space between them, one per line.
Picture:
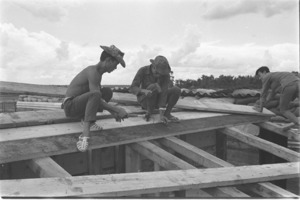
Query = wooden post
x=221 y=145
x=119 y=159
x=90 y=161
x=97 y=165
x=132 y=160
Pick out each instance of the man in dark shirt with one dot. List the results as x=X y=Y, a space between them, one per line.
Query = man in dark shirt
x=151 y=85
x=287 y=83
x=84 y=98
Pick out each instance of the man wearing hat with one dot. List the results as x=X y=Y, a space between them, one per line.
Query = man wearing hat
x=85 y=97
x=151 y=86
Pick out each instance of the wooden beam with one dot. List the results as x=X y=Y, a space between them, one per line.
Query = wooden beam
x=171 y=162
x=293 y=135
x=220 y=107
x=47 y=140
x=270 y=147
x=207 y=160
x=147 y=182
x=46 y=167
x=32 y=89
x=10 y=134
x=43 y=117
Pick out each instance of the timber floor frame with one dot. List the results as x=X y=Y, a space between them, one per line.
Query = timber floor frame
x=180 y=169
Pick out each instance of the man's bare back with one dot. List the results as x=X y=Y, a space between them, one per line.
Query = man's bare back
x=81 y=83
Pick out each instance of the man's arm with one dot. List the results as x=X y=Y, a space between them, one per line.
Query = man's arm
x=135 y=85
x=94 y=85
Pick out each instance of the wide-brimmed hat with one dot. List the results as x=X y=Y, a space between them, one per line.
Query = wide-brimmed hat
x=115 y=52
x=162 y=65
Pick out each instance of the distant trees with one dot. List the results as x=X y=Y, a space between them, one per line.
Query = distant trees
x=221 y=82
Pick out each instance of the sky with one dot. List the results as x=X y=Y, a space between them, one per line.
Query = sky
x=50 y=41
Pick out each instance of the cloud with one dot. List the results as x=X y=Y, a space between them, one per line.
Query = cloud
x=238 y=60
x=188 y=45
x=40 y=58
x=62 y=52
x=230 y=8
x=51 y=10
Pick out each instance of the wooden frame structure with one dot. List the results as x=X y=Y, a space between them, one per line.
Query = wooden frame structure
x=180 y=167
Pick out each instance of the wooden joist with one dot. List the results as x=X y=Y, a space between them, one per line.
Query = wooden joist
x=47 y=140
x=46 y=167
x=207 y=160
x=270 y=147
x=171 y=162
x=147 y=182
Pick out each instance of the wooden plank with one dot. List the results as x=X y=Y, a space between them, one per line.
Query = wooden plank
x=171 y=162
x=46 y=167
x=42 y=117
x=69 y=128
x=220 y=107
x=293 y=135
x=39 y=105
x=270 y=147
x=54 y=91
x=147 y=182
x=207 y=160
x=47 y=140
x=32 y=89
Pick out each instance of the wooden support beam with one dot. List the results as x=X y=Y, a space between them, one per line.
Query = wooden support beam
x=56 y=139
x=207 y=160
x=293 y=135
x=270 y=147
x=171 y=162
x=46 y=167
x=147 y=182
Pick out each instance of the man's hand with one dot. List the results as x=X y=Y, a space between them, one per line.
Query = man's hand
x=164 y=119
x=257 y=108
x=148 y=93
x=120 y=114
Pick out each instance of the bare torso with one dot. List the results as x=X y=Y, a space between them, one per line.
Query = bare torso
x=88 y=79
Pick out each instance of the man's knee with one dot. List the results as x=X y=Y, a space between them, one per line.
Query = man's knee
x=175 y=91
x=107 y=93
x=95 y=94
x=283 y=110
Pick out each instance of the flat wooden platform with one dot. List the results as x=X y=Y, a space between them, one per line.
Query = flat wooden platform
x=183 y=164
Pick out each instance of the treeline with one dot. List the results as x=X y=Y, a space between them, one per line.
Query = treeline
x=221 y=82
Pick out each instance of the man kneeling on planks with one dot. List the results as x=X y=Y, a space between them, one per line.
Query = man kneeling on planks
x=152 y=86
x=85 y=97
x=287 y=83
